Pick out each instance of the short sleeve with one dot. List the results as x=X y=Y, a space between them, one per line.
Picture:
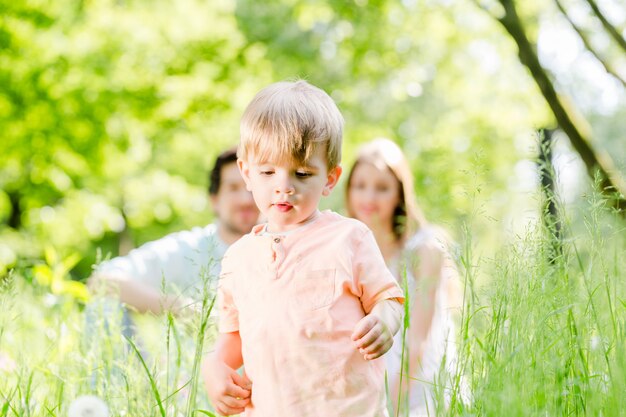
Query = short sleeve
x=372 y=277
x=227 y=311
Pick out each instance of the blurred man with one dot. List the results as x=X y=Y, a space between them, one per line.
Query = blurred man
x=168 y=274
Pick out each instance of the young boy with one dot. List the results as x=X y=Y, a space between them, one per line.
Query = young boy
x=305 y=300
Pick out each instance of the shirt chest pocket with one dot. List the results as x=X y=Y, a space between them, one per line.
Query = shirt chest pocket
x=314 y=289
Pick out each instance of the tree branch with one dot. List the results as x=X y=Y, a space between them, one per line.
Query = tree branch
x=607 y=66
x=612 y=185
x=607 y=25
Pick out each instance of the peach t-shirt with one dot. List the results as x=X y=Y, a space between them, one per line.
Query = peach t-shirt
x=295 y=300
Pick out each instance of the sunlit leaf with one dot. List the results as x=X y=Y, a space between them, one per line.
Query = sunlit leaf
x=43 y=274
x=75 y=289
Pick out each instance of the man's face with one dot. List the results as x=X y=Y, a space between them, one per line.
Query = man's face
x=233 y=204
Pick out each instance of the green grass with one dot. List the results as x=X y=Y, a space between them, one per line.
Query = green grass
x=543 y=331
x=541 y=334
x=59 y=353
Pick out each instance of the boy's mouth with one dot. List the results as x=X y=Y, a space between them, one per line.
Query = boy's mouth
x=283 y=206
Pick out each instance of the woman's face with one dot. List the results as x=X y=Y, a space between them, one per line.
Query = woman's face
x=373 y=195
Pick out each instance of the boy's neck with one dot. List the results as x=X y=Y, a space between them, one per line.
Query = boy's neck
x=274 y=229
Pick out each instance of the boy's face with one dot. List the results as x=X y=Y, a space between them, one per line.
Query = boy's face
x=288 y=194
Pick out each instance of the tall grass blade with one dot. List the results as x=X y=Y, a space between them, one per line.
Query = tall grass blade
x=153 y=385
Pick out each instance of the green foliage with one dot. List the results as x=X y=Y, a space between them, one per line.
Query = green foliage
x=111 y=114
x=54 y=275
x=113 y=111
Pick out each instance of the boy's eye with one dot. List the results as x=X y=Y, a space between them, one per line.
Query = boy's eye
x=267 y=172
x=303 y=174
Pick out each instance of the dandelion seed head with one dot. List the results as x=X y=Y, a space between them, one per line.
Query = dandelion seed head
x=88 y=406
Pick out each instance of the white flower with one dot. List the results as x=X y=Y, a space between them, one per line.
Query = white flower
x=88 y=406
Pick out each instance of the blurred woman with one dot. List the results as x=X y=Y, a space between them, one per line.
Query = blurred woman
x=380 y=193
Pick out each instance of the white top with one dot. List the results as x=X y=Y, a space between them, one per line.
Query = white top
x=177 y=262
x=440 y=342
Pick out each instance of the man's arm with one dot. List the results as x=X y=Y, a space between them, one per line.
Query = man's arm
x=374 y=333
x=229 y=392
x=137 y=277
x=141 y=296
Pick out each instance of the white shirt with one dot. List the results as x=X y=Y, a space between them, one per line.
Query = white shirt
x=179 y=262
x=440 y=343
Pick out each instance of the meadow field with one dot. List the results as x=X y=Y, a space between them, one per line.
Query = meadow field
x=541 y=333
x=112 y=113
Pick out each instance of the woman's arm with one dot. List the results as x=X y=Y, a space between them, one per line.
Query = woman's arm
x=427 y=270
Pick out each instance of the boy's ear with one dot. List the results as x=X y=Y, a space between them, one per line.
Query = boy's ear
x=244 y=170
x=332 y=180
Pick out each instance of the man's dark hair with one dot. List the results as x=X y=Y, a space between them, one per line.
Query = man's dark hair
x=215 y=176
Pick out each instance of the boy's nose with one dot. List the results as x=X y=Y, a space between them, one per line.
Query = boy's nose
x=285 y=189
x=284 y=186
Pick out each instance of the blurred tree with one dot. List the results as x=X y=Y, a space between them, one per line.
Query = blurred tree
x=111 y=111
x=428 y=74
x=568 y=119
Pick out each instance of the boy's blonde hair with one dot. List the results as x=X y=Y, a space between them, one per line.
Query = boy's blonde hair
x=288 y=121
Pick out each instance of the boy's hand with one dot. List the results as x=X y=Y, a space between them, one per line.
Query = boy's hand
x=373 y=334
x=229 y=392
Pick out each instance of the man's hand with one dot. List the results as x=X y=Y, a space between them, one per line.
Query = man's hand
x=229 y=392
x=373 y=334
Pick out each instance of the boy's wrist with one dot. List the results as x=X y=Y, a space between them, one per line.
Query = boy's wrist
x=389 y=311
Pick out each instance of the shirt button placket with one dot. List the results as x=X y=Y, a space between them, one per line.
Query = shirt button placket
x=279 y=253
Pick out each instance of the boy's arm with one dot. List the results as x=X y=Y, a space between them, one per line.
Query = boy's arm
x=373 y=334
x=229 y=392
x=381 y=298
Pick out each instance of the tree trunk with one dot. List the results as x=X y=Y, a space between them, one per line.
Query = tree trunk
x=549 y=214
x=15 y=218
